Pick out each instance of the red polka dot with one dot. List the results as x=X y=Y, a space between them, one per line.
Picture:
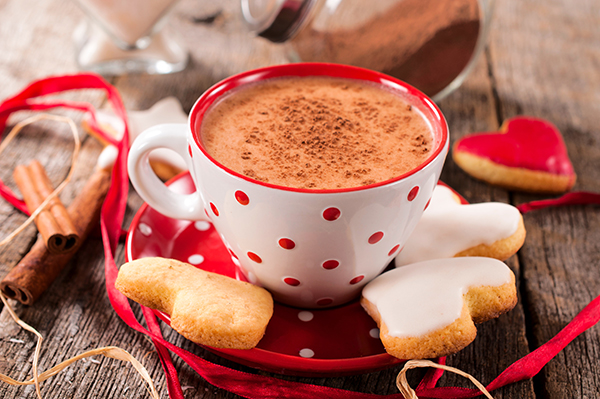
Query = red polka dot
x=214 y=209
x=393 y=250
x=324 y=301
x=357 y=279
x=376 y=237
x=286 y=243
x=190 y=151
x=427 y=204
x=291 y=281
x=233 y=254
x=413 y=193
x=206 y=211
x=254 y=257
x=330 y=264
x=242 y=198
x=331 y=214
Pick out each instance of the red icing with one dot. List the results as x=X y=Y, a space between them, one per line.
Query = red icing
x=524 y=142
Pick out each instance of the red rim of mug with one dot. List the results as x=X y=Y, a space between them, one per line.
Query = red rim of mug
x=425 y=104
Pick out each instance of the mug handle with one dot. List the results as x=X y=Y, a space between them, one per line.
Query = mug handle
x=152 y=190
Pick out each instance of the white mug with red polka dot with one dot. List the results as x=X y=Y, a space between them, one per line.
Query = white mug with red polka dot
x=309 y=248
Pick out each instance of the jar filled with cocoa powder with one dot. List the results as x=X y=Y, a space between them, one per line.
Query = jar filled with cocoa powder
x=430 y=44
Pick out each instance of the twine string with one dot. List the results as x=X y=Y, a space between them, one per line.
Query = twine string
x=409 y=393
x=15 y=130
x=35 y=380
x=108 y=351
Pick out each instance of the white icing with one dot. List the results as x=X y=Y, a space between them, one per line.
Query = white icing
x=167 y=110
x=448 y=227
x=423 y=297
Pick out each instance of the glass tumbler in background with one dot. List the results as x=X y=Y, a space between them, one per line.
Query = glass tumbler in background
x=120 y=37
x=430 y=44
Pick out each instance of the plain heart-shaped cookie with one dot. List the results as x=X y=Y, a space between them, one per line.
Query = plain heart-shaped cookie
x=206 y=308
x=528 y=154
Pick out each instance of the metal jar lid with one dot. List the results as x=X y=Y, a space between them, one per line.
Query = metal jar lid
x=276 y=20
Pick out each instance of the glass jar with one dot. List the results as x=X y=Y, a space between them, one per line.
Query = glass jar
x=120 y=37
x=430 y=44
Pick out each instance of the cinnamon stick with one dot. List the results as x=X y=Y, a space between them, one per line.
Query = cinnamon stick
x=53 y=223
x=39 y=268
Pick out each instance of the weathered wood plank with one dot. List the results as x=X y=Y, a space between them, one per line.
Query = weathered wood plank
x=502 y=341
x=546 y=65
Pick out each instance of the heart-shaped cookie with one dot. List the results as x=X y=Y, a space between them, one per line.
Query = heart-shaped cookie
x=449 y=228
x=528 y=154
x=427 y=309
x=206 y=308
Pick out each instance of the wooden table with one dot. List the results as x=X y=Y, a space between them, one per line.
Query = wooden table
x=543 y=59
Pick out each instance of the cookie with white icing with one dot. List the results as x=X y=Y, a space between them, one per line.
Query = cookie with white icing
x=166 y=163
x=428 y=309
x=449 y=228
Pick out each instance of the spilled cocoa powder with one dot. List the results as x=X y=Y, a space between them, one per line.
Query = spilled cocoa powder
x=316 y=133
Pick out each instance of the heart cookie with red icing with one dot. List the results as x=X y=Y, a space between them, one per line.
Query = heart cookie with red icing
x=528 y=154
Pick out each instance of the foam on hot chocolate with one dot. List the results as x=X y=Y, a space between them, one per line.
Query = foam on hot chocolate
x=316 y=133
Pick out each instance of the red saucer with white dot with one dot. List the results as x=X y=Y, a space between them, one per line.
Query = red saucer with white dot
x=320 y=342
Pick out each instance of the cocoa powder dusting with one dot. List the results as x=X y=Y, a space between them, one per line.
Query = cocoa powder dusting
x=316 y=133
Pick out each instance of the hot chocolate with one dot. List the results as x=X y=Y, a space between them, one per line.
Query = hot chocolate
x=317 y=133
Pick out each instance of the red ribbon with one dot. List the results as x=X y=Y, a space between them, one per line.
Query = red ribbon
x=573 y=198
x=529 y=365
x=25 y=100
x=246 y=384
